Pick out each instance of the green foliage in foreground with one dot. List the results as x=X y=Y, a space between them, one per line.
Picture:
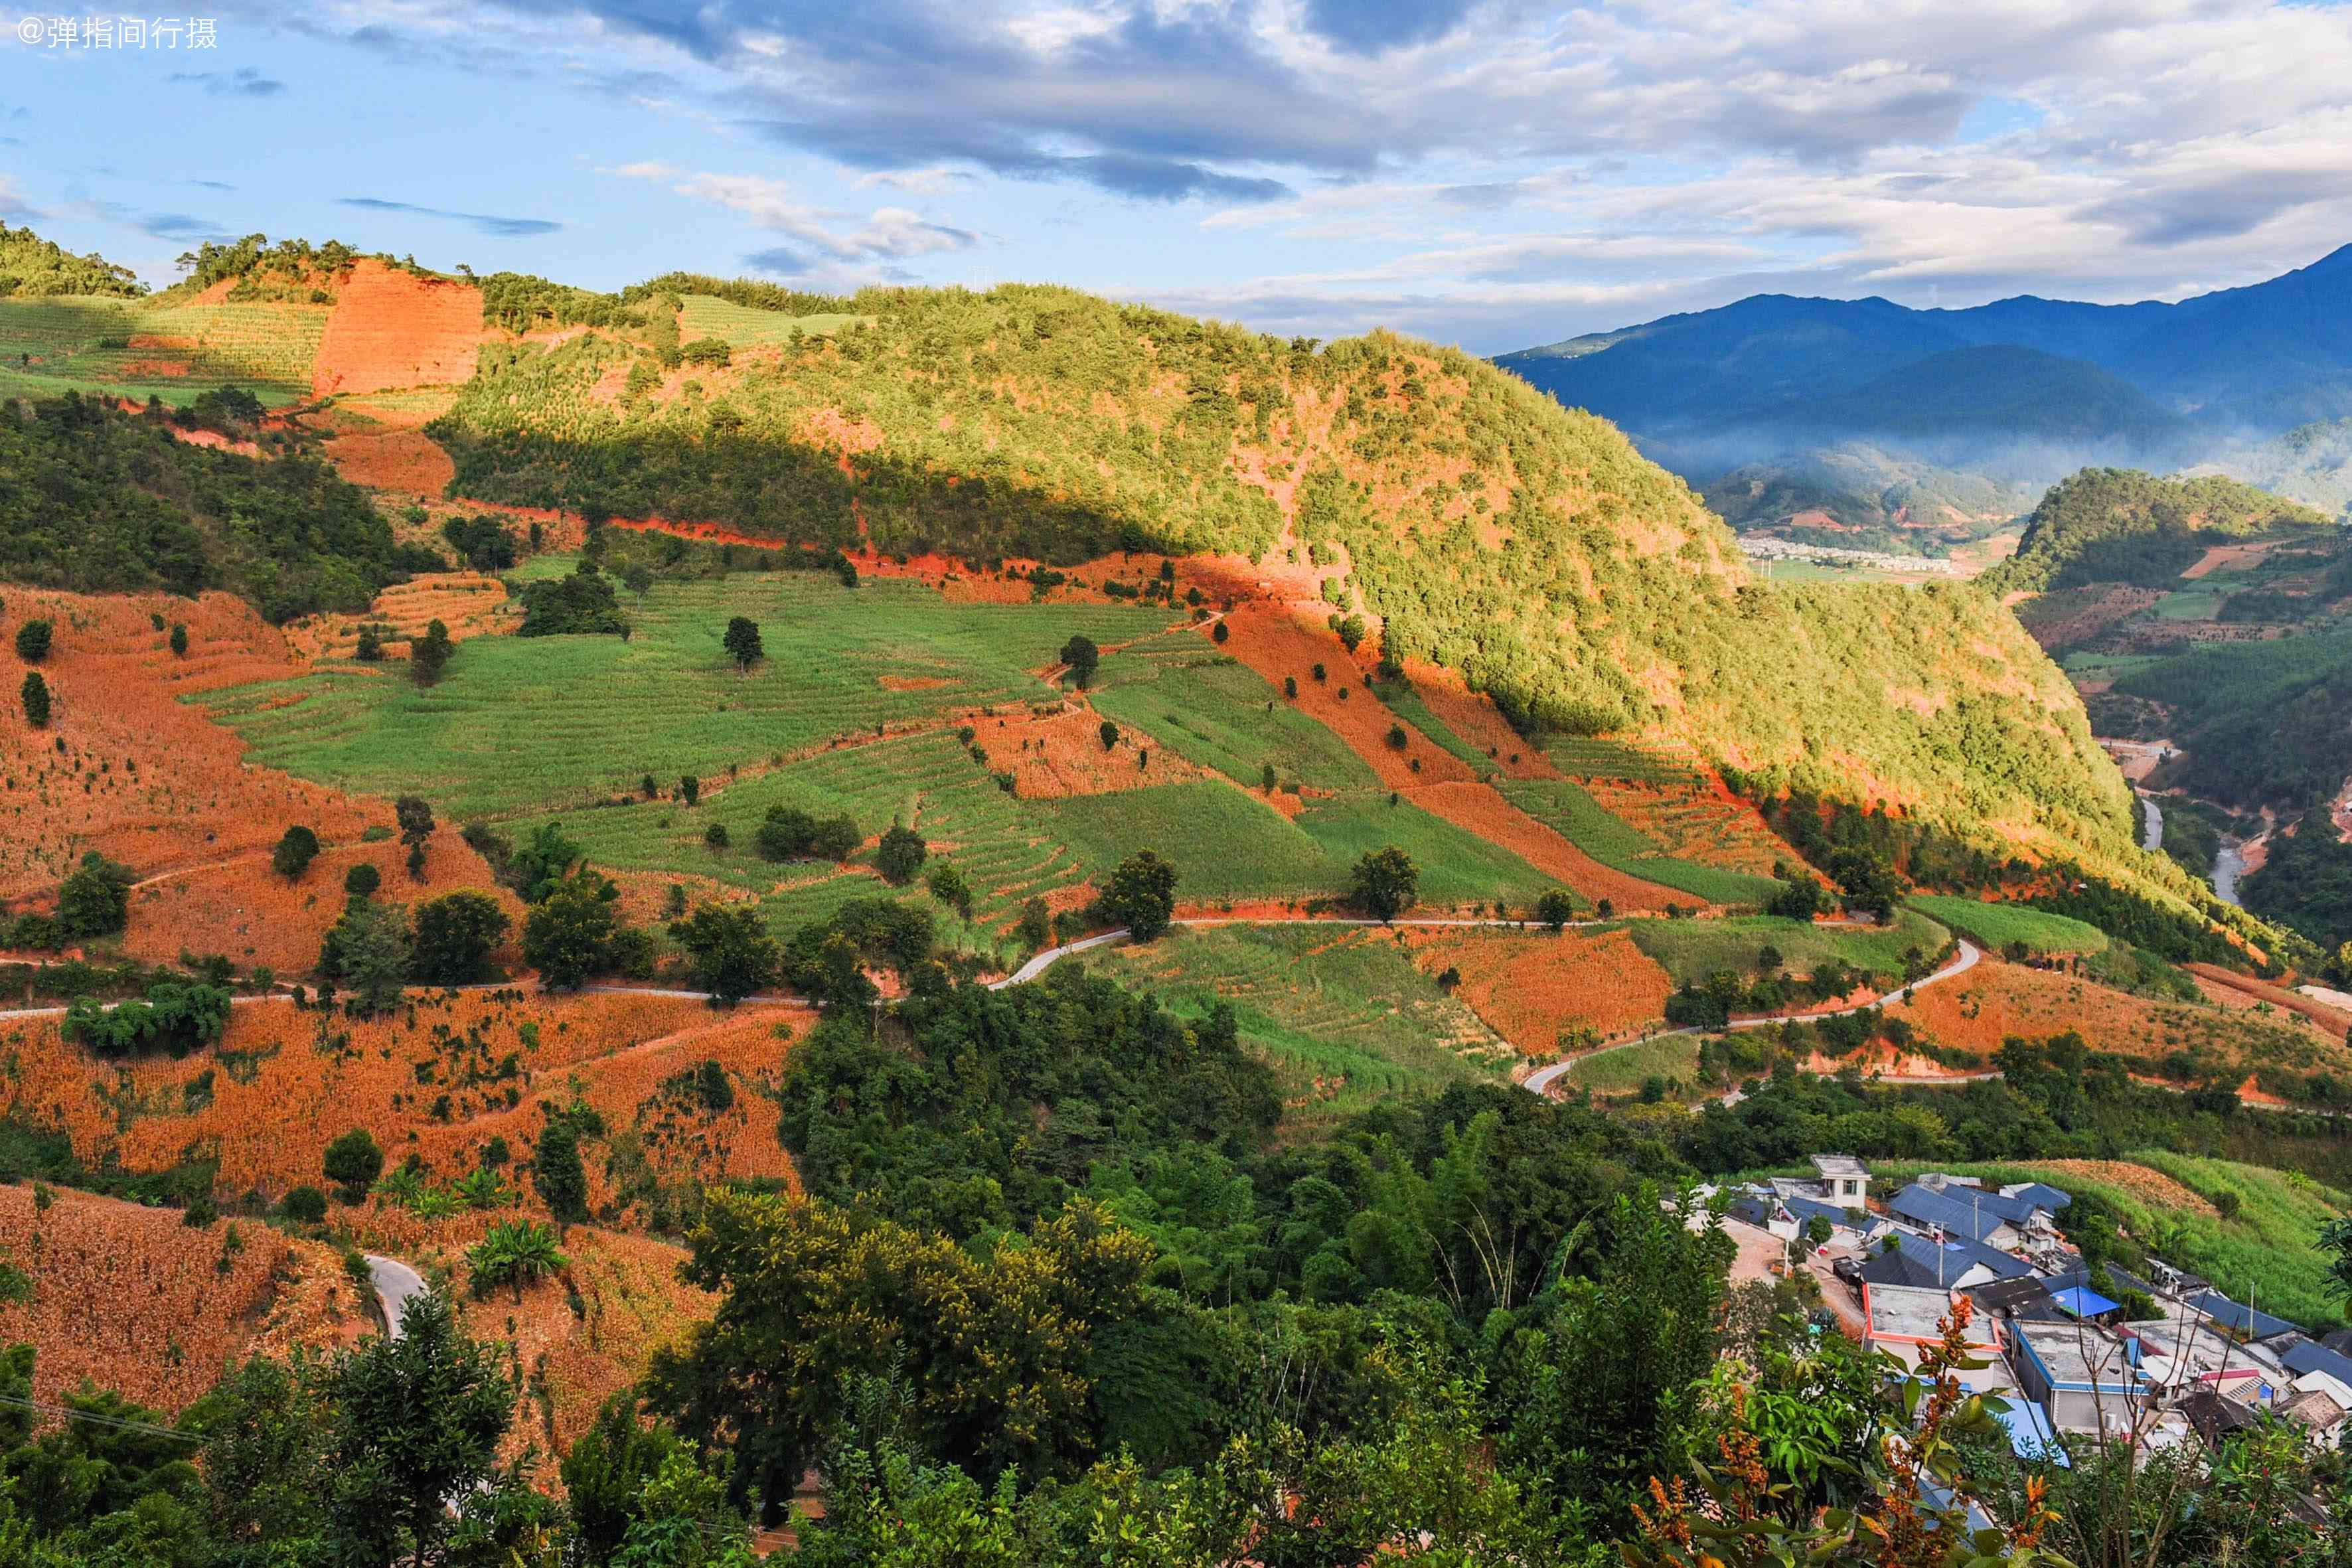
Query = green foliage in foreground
x=1995 y=926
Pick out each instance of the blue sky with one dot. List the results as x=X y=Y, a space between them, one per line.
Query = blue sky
x=1492 y=175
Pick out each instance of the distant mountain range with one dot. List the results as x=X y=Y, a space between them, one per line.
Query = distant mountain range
x=2021 y=389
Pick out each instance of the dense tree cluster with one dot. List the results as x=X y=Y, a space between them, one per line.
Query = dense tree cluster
x=99 y=500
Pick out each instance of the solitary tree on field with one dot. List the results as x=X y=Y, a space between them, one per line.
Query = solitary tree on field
x=36 y=695
x=33 y=641
x=1556 y=908
x=1385 y=882
x=295 y=852
x=1142 y=895
x=742 y=640
x=179 y=640
x=354 y=1163
x=415 y=819
x=900 y=854
x=1082 y=656
x=428 y=656
x=1109 y=734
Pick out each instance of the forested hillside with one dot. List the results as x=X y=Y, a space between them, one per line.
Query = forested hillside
x=99 y=500
x=1529 y=547
x=33 y=268
x=2119 y=525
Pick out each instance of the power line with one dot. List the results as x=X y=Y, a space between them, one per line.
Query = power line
x=66 y=1412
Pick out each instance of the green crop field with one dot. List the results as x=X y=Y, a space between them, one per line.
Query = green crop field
x=1215 y=711
x=50 y=344
x=1624 y=1070
x=1405 y=702
x=1584 y=757
x=1997 y=925
x=522 y=724
x=1693 y=950
x=1568 y=811
x=1344 y=1016
x=747 y=326
x=1457 y=867
x=1224 y=844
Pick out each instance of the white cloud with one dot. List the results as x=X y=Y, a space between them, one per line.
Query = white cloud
x=887 y=234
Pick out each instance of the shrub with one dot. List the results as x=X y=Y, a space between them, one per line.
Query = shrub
x=96 y=900
x=456 y=934
x=900 y=855
x=1556 y=908
x=690 y=789
x=1384 y=883
x=352 y=1163
x=362 y=880
x=295 y=852
x=33 y=640
x=306 y=1204
x=179 y=640
x=34 y=694
x=1109 y=734
x=715 y=836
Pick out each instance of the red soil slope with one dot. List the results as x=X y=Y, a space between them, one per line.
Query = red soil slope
x=128 y=769
x=392 y=328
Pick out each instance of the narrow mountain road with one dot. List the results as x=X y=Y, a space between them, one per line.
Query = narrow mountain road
x=1540 y=1080
x=2152 y=830
x=396 y=1285
x=1052 y=955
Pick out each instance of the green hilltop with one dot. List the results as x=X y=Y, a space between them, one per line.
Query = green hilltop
x=1526 y=546
x=2121 y=525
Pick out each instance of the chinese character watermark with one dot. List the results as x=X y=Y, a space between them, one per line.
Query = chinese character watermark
x=119 y=32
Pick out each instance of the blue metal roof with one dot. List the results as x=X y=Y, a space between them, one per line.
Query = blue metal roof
x=2310 y=1357
x=1959 y=1216
x=2082 y=1301
x=2245 y=1320
x=1960 y=1255
x=2042 y=1195
x=2029 y=1433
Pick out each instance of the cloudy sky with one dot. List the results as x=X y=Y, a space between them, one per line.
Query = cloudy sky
x=1492 y=175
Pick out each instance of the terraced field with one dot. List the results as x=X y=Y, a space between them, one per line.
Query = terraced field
x=1341 y=1013
x=134 y=348
x=1571 y=811
x=1690 y=950
x=1998 y=925
x=745 y=326
x=520 y=725
x=1210 y=709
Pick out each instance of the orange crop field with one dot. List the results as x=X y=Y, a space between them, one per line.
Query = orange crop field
x=128 y=769
x=1703 y=821
x=631 y=1304
x=249 y=914
x=135 y=1300
x=1997 y=999
x=437 y=1078
x=1545 y=993
x=1276 y=642
x=1478 y=808
x=468 y=604
x=1474 y=718
x=392 y=328
x=1062 y=754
